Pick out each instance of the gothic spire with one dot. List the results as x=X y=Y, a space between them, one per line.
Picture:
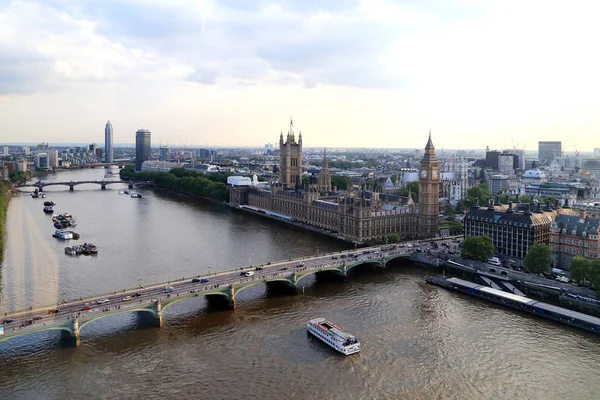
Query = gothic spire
x=429 y=142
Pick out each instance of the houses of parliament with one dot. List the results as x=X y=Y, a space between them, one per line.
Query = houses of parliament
x=355 y=216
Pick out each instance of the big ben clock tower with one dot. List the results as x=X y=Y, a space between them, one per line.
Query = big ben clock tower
x=429 y=193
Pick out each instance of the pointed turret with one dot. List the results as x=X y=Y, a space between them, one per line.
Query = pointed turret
x=281 y=139
x=429 y=145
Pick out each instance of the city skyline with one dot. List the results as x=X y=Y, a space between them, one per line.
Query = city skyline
x=352 y=74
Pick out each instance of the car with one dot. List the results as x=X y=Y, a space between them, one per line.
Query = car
x=8 y=321
x=86 y=308
x=300 y=265
x=168 y=289
x=284 y=268
x=54 y=311
x=334 y=258
x=203 y=280
x=195 y=280
x=127 y=298
x=29 y=321
x=37 y=318
x=136 y=294
x=248 y=273
x=258 y=268
x=102 y=301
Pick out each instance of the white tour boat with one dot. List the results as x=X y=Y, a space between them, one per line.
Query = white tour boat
x=334 y=336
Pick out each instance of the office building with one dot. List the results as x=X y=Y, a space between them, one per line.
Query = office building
x=548 y=151
x=573 y=236
x=5 y=151
x=108 y=142
x=42 y=160
x=52 y=158
x=505 y=163
x=26 y=150
x=164 y=152
x=142 y=147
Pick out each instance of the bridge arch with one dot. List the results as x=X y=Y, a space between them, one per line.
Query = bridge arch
x=87 y=320
x=27 y=331
x=339 y=270
x=220 y=294
x=376 y=262
x=285 y=280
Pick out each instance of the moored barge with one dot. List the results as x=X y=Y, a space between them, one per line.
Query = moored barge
x=521 y=303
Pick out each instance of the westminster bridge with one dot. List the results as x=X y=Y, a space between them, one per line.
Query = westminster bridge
x=40 y=185
x=219 y=289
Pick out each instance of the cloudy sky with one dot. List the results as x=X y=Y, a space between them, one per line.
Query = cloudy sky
x=355 y=73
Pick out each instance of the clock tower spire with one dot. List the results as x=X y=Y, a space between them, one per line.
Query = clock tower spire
x=429 y=192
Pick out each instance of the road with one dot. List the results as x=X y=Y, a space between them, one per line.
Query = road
x=69 y=309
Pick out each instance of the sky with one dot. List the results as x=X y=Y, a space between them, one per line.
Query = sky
x=351 y=73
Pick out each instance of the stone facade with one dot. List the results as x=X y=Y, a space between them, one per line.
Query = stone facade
x=290 y=158
x=429 y=192
x=513 y=229
x=364 y=216
x=572 y=236
x=324 y=175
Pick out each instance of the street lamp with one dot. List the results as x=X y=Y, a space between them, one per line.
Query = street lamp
x=209 y=267
x=64 y=297
x=140 y=283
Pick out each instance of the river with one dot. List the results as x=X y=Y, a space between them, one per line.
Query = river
x=419 y=341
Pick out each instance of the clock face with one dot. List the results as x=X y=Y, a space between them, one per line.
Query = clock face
x=423 y=173
x=436 y=174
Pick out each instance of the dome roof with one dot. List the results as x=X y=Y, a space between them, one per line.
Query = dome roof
x=533 y=174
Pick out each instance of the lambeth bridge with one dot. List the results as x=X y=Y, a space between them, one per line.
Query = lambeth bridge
x=219 y=289
x=40 y=185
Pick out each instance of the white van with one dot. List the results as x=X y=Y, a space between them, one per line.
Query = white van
x=249 y=273
x=494 y=261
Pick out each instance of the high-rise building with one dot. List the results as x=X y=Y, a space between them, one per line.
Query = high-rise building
x=5 y=151
x=42 y=160
x=52 y=158
x=164 y=152
x=98 y=152
x=548 y=151
x=108 y=142
x=290 y=158
x=142 y=147
x=429 y=192
x=26 y=150
x=505 y=163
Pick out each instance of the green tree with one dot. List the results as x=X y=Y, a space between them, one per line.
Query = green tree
x=413 y=187
x=525 y=199
x=479 y=248
x=538 y=258
x=580 y=269
x=341 y=182
x=393 y=238
x=477 y=194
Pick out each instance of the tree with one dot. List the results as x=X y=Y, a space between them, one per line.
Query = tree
x=479 y=248
x=538 y=258
x=580 y=269
x=341 y=182
x=413 y=187
x=477 y=194
x=393 y=238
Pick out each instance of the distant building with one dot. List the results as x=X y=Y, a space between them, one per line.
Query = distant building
x=572 y=236
x=498 y=183
x=22 y=165
x=160 y=166
x=597 y=152
x=290 y=158
x=98 y=153
x=505 y=163
x=26 y=150
x=42 y=146
x=52 y=158
x=42 y=160
x=108 y=142
x=5 y=151
x=512 y=229
x=548 y=151
x=324 y=185
x=142 y=147
x=163 y=153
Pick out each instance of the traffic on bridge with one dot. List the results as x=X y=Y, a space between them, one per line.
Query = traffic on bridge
x=70 y=316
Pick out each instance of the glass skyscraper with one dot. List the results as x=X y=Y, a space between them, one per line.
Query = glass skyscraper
x=108 y=143
x=142 y=147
